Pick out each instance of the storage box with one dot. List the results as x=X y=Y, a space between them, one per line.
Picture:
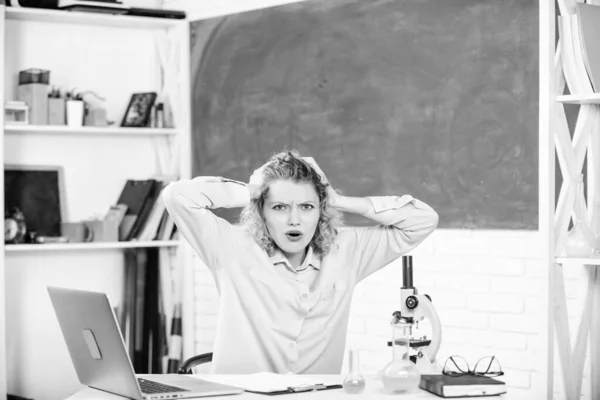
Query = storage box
x=34 y=75
x=36 y=97
x=16 y=112
x=56 y=111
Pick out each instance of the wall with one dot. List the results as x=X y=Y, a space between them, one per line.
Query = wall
x=489 y=289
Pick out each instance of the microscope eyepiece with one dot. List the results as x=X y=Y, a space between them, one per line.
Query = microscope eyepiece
x=407 y=272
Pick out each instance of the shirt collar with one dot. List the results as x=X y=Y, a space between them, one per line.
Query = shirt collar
x=310 y=260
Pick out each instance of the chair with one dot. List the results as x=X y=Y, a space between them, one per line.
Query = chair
x=186 y=367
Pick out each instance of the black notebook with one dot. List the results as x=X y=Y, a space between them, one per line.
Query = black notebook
x=462 y=386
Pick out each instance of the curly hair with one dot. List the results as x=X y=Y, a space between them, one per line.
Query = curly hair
x=289 y=166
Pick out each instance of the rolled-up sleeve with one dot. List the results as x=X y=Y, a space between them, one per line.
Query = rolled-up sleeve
x=404 y=222
x=188 y=202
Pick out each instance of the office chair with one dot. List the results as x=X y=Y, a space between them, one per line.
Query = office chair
x=186 y=367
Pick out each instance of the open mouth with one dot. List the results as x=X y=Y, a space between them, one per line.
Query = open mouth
x=294 y=236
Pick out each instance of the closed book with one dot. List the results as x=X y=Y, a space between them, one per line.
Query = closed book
x=462 y=386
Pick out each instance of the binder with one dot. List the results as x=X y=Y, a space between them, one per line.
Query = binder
x=298 y=389
x=272 y=384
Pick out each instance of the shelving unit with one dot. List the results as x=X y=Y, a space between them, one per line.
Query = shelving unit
x=86 y=18
x=556 y=141
x=20 y=248
x=86 y=130
x=146 y=54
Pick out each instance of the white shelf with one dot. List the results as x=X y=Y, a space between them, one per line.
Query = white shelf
x=579 y=99
x=89 y=18
x=87 y=130
x=27 y=248
x=577 y=260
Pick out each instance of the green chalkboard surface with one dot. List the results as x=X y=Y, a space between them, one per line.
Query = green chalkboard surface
x=434 y=98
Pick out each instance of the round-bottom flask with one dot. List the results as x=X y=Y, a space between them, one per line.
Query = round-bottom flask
x=401 y=374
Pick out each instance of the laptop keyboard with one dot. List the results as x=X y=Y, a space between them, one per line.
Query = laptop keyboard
x=151 y=387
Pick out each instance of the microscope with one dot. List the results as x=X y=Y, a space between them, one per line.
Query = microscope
x=415 y=307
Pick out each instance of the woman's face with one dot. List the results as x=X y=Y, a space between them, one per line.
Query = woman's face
x=291 y=211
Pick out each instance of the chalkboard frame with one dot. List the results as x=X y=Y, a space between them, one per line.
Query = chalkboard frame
x=60 y=189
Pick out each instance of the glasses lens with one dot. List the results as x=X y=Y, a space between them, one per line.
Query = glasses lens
x=456 y=365
x=488 y=366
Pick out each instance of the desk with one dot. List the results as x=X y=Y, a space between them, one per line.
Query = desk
x=373 y=390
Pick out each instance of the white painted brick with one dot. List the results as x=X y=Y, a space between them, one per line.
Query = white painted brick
x=445 y=265
x=203 y=291
x=534 y=268
x=516 y=379
x=509 y=340
x=534 y=344
x=464 y=319
x=425 y=247
x=514 y=359
x=465 y=283
x=379 y=329
x=202 y=347
x=448 y=300
x=207 y=335
x=385 y=293
x=365 y=342
x=515 y=323
x=536 y=307
x=462 y=246
x=356 y=326
x=469 y=337
x=203 y=321
x=521 y=285
x=390 y=274
x=499 y=266
x=371 y=309
x=359 y=290
x=207 y=306
x=453 y=233
x=518 y=248
x=507 y=303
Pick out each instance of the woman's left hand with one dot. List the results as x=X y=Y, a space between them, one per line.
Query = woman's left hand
x=331 y=193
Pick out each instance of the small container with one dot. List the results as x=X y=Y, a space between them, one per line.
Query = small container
x=16 y=113
x=34 y=75
x=56 y=111
x=354 y=383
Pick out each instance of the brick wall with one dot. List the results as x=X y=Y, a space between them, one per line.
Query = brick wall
x=486 y=286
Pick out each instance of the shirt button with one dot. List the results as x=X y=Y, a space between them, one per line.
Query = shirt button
x=304 y=295
x=292 y=344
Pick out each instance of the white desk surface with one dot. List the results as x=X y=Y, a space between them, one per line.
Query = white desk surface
x=373 y=390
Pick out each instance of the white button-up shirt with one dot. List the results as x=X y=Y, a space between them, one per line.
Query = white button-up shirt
x=275 y=318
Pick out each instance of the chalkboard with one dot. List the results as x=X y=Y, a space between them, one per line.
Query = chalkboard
x=38 y=192
x=434 y=98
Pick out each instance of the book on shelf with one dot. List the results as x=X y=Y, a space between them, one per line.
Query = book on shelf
x=146 y=218
x=462 y=386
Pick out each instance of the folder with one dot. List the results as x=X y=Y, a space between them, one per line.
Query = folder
x=272 y=384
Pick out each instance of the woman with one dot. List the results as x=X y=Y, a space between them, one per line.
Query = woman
x=286 y=274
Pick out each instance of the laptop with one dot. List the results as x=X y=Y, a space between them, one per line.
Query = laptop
x=98 y=352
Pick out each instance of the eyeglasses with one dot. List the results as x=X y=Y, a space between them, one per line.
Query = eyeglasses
x=486 y=366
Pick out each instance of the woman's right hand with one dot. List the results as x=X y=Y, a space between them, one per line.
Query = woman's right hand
x=255 y=183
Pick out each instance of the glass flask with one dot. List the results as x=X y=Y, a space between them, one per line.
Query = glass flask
x=580 y=238
x=401 y=374
x=354 y=383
